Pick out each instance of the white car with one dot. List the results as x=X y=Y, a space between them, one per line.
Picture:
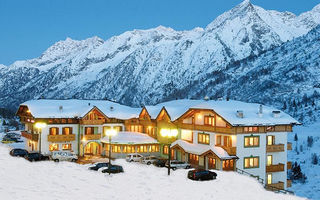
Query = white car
x=64 y=156
x=148 y=160
x=175 y=164
x=134 y=157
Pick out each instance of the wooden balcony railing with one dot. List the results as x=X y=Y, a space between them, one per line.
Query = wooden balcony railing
x=61 y=138
x=30 y=136
x=232 y=151
x=92 y=137
x=275 y=168
x=289 y=183
x=206 y=128
x=275 y=148
x=275 y=186
x=289 y=165
x=289 y=146
x=93 y=122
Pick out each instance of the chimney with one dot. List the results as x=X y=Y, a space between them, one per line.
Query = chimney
x=206 y=98
x=276 y=113
x=61 y=108
x=239 y=113
x=89 y=104
x=111 y=108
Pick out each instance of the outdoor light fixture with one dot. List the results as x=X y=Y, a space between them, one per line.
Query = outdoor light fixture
x=110 y=132
x=39 y=126
x=169 y=133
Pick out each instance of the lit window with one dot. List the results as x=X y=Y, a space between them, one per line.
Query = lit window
x=116 y=148
x=165 y=149
x=187 y=135
x=270 y=140
x=252 y=162
x=251 y=129
x=218 y=140
x=251 y=141
x=203 y=138
x=209 y=120
x=53 y=147
x=54 y=131
x=67 y=130
x=66 y=146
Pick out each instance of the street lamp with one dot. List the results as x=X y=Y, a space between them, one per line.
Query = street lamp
x=83 y=144
x=169 y=133
x=110 y=132
x=40 y=126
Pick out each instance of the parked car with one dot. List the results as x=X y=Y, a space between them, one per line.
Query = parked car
x=175 y=164
x=113 y=169
x=134 y=157
x=148 y=160
x=10 y=139
x=13 y=135
x=18 y=152
x=97 y=166
x=201 y=174
x=58 y=156
x=36 y=157
x=160 y=162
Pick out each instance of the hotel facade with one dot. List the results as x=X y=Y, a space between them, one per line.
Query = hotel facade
x=222 y=135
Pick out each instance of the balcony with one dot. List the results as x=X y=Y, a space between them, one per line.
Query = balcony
x=275 y=186
x=289 y=165
x=289 y=146
x=30 y=136
x=232 y=151
x=93 y=122
x=92 y=137
x=275 y=148
x=275 y=168
x=289 y=183
x=61 y=138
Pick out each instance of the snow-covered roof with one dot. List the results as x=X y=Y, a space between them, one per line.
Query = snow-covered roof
x=124 y=137
x=199 y=149
x=71 y=108
x=176 y=108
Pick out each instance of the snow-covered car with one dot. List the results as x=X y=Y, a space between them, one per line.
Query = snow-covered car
x=134 y=157
x=175 y=164
x=64 y=156
x=148 y=160
x=98 y=165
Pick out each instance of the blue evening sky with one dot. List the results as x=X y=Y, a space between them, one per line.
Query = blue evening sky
x=29 y=27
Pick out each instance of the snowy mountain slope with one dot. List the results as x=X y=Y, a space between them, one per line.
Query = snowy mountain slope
x=149 y=66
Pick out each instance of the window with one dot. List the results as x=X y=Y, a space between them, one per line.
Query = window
x=116 y=148
x=270 y=140
x=105 y=128
x=129 y=149
x=165 y=149
x=135 y=128
x=54 y=131
x=193 y=158
x=251 y=141
x=251 y=129
x=227 y=165
x=270 y=129
x=89 y=130
x=251 y=162
x=220 y=122
x=66 y=130
x=142 y=149
x=154 y=148
x=53 y=147
x=269 y=179
x=227 y=141
x=150 y=131
x=187 y=135
x=269 y=160
x=209 y=120
x=212 y=163
x=218 y=140
x=66 y=147
x=203 y=138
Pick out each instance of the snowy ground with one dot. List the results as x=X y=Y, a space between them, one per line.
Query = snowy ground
x=20 y=179
x=311 y=188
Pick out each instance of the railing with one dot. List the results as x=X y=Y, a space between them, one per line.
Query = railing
x=289 y=165
x=225 y=130
x=275 y=148
x=289 y=146
x=271 y=187
x=92 y=122
x=289 y=183
x=275 y=186
x=61 y=138
x=232 y=151
x=275 y=168
x=30 y=136
x=92 y=137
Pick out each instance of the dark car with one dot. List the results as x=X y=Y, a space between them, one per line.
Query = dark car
x=201 y=174
x=113 y=169
x=36 y=157
x=97 y=166
x=18 y=152
x=160 y=162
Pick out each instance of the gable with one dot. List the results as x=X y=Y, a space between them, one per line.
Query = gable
x=163 y=115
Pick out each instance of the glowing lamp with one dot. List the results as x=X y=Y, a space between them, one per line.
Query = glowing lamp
x=111 y=132
x=40 y=125
x=168 y=132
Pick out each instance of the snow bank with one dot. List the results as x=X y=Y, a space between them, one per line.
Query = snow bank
x=20 y=179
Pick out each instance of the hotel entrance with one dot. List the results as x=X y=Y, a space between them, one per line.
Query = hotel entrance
x=92 y=148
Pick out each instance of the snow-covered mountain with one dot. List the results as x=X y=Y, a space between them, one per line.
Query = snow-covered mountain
x=149 y=66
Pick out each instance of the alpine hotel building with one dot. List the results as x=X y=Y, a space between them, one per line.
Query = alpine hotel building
x=221 y=135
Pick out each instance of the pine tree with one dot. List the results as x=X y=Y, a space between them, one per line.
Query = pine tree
x=284 y=106
x=296 y=174
x=314 y=159
x=310 y=141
